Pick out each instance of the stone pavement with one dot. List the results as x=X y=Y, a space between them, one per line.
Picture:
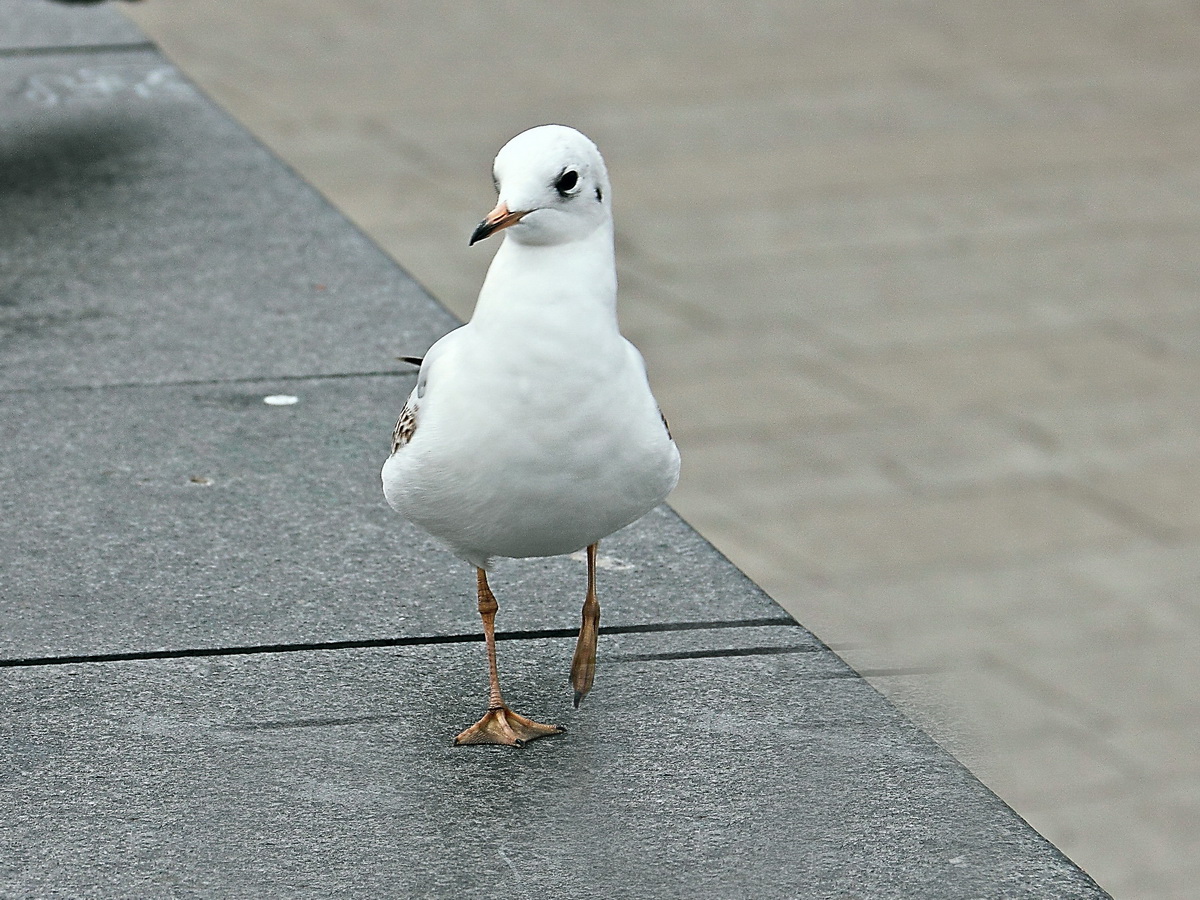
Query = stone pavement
x=917 y=285
x=227 y=669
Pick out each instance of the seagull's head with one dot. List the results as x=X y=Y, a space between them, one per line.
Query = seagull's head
x=552 y=186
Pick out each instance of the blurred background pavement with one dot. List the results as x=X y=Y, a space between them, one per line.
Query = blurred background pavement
x=917 y=286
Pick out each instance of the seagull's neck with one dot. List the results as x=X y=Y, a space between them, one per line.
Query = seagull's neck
x=571 y=285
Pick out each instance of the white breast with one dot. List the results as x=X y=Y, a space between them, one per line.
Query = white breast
x=532 y=455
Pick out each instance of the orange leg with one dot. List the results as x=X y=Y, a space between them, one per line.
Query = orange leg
x=499 y=725
x=583 y=665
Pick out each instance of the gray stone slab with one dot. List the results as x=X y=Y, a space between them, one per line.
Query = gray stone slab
x=160 y=274
x=40 y=24
x=147 y=237
x=779 y=775
x=163 y=517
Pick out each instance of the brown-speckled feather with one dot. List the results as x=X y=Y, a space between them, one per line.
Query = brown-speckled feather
x=406 y=427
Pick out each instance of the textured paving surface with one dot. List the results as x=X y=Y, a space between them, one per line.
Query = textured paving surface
x=39 y=26
x=918 y=286
x=227 y=669
x=162 y=517
x=329 y=774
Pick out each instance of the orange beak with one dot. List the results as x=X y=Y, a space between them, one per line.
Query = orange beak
x=498 y=219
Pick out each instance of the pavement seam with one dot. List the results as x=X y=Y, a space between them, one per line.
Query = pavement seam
x=370 y=643
x=710 y=654
x=78 y=50
x=204 y=382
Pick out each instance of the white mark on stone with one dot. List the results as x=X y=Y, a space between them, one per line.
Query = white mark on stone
x=280 y=400
x=105 y=83
x=520 y=888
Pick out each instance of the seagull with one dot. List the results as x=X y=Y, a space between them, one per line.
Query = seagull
x=532 y=430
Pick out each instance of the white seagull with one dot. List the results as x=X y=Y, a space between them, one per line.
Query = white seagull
x=532 y=430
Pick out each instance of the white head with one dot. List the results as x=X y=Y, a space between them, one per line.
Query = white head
x=553 y=188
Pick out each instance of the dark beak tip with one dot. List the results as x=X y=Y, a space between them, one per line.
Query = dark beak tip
x=484 y=230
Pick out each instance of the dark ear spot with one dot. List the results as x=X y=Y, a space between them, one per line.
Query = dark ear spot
x=599 y=194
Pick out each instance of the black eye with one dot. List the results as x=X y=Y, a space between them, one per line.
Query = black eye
x=566 y=181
